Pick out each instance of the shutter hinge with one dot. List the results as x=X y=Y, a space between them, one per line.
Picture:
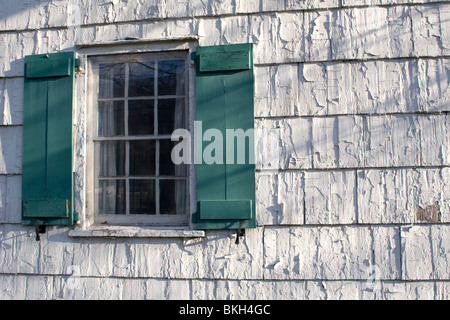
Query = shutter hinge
x=40 y=228
x=193 y=59
x=240 y=232
x=79 y=65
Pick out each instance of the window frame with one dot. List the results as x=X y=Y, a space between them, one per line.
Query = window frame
x=125 y=52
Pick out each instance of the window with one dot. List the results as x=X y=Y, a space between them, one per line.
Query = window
x=136 y=102
x=121 y=166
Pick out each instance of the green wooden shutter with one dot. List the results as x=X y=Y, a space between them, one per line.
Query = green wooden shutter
x=47 y=194
x=224 y=96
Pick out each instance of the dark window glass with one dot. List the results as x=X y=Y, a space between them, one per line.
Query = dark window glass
x=172 y=196
x=112 y=80
x=141 y=79
x=111 y=197
x=171 y=77
x=166 y=165
x=141 y=117
x=142 y=157
x=111 y=158
x=111 y=118
x=170 y=115
x=142 y=197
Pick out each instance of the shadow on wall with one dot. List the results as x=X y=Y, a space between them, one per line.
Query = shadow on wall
x=18 y=15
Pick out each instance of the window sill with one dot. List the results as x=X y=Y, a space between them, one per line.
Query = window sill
x=134 y=232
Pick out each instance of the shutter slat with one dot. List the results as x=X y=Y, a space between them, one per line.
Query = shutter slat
x=224 y=61
x=46 y=208
x=226 y=209
x=47 y=68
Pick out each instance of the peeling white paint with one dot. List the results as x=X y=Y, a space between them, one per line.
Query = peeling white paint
x=352 y=137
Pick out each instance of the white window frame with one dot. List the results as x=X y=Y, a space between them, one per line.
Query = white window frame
x=85 y=52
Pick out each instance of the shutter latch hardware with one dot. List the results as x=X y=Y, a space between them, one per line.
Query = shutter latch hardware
x=40 y=228
x=240 y=232
x=79 y=65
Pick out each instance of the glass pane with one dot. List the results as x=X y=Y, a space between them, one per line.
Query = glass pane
x=141 y=80
x=172 y=196
x=142 y=157
x=171 y=77
x=166 y=166
x=141 y=117
x=142 y=197
x=111 y=197
x=111 y=158
x=170 y=115
x=111 y=80
x=110 y=118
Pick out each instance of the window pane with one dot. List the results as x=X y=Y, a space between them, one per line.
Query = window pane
x=141 y=80
x=111 y=80
x=171 y=77
x=111 y=197
x=166 y=166
x=142 y=197
x=170 y=115
x=111 y=158
x=141 y=117
x=142 y=157
x=141 y=101
x=110 y=118
x=172 y=196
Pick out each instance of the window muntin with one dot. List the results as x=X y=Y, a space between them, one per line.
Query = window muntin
x=138 y=100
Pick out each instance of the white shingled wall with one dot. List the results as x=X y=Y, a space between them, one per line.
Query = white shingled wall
x=352 y=96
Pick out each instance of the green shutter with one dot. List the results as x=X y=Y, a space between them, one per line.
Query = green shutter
x=47 y=183
x=224 y=100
